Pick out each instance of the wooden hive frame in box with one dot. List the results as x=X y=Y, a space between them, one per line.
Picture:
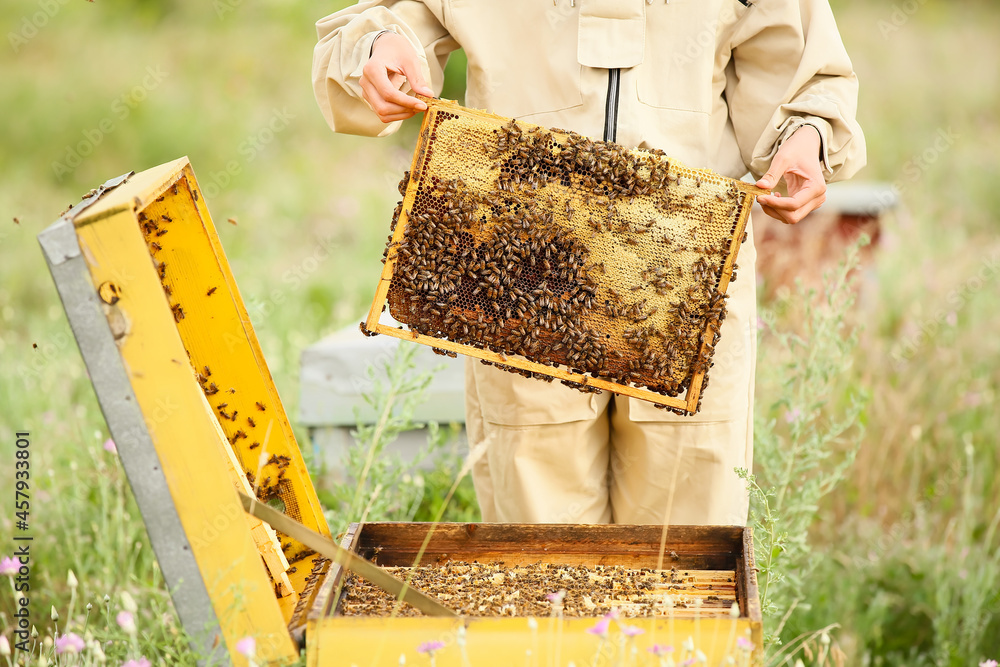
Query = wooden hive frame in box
x=189 y=400
x=558 y=257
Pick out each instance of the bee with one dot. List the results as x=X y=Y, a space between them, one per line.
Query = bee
x=160 y=198
x=168 y=290
x=194 y=193
x=222 y=405
x=260 y=406
x=235 y=412
x=178 y=312
x=161 y=232
x=155 y=246
x=208 y=371
x=162 y=268
x=224 y=413
x=232 y=390
x=211 y=390
x=166 y=217
x=254 y=445
x=211 y=291
x=173 y=189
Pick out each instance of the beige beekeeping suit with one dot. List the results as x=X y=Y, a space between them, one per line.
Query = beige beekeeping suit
x=714 y=83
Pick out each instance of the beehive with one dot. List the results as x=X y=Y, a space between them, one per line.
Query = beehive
x=675 y=588
x=559 y=257
x=191 y=405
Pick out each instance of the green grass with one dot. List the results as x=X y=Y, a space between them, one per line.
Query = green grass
x=903 y=560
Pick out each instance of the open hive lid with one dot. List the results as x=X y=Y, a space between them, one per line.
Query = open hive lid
x=559 y=257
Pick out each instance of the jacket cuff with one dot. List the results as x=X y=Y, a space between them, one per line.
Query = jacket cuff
x=794 y=123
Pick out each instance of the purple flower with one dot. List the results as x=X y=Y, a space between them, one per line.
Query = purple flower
x=430 y=647
x=632 y=631
x=126 y=621
x=988 y=663
x=141 y=662
x=660 y=649
x=793 y=415
x=557 y=598
x=109 y=446
x=744 y=644
x=69 y=643
x=247 y=646
x=601 y=627
x=9 y=566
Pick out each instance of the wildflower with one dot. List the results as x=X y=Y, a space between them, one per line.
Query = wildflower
x=532 y=623
x=402 y=658
x=700 y=657
x=430 y=647
x=601 y=627
x=71 y=580
x=128 y=602
x=247 y=646
x=4 y=645
x=688 y=644
x=824 y=639
x=734 y=611
x=460 y=635
x=988 y=663
x=109 y=446
x=632 y=631
x=53 y=614
x=660 y=650
x=126 y=621
x=556 y=598
x=96 y=652
x=793 y=415
x=744 y=644
x=9 y=566
x=69 y=643
x=141 y=662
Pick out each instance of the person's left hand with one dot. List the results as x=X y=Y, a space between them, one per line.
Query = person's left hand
x=797 y=161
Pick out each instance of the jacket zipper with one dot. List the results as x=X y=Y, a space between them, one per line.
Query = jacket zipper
x=611 y=105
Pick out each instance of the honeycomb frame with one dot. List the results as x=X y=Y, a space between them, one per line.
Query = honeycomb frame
x=552 y=255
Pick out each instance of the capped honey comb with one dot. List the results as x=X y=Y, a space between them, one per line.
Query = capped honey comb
x=556 y=256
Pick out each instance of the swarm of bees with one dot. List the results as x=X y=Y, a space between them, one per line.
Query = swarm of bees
x=494 y=589
x=564 y=250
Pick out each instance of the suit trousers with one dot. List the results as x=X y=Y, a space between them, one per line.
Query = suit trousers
x=551 y=454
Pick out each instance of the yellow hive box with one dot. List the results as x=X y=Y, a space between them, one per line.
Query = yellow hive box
x=196 y=418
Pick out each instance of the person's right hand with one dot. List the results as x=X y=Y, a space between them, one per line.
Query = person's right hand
x=393 y=60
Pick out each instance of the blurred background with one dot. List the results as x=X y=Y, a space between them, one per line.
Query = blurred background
x=902 y=556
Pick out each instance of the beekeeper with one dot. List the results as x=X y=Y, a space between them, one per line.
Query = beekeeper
x=762 y=87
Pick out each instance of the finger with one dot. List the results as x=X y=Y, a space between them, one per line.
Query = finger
x=786 y=210
x=391 y=94
x=777 y=169
x=410 y=68
x=799 y=199
x=386 y=111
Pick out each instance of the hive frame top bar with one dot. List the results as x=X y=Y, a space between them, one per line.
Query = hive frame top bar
x=687 y=403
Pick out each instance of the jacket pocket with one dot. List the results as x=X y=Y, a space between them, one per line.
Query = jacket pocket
x=508 y=399
x=680 y=60
x=521 y=55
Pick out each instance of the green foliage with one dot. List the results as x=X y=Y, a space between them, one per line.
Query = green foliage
x=380 y=485
x=805 y=437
